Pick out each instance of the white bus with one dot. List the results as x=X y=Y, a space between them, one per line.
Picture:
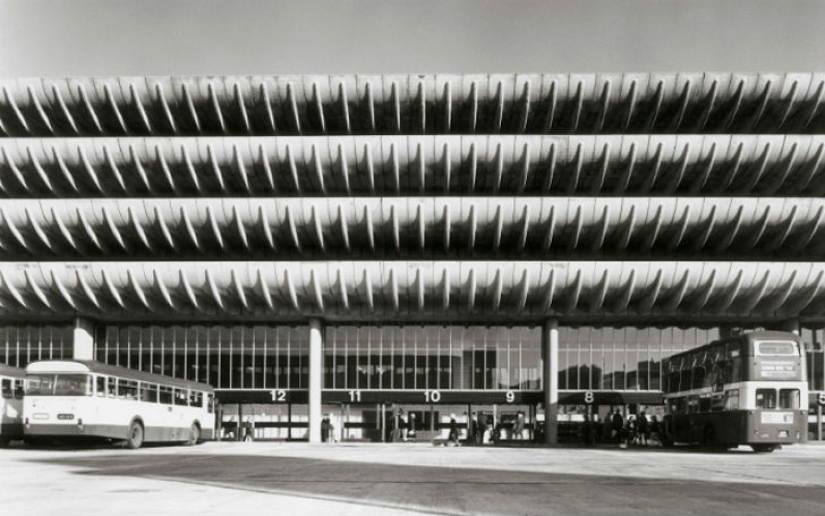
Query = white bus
x=77 y=398
x=11 y=404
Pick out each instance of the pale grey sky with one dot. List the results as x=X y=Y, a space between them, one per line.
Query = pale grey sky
x=211 y=37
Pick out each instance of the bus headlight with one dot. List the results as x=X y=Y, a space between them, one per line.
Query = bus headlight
x=783 y=434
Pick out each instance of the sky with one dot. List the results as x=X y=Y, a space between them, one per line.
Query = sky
x=54 y=38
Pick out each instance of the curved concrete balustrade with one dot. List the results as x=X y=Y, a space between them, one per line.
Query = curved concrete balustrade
x=414 y=290
x=738 y=165
x=414 y=104
x=397 y=228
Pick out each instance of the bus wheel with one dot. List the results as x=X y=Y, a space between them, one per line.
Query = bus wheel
x=134 y=439
x=763 y=448
x=194 y=435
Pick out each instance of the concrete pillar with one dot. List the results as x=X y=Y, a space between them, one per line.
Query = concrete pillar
x=550 y=355
x=316 y=356
x=83 y=339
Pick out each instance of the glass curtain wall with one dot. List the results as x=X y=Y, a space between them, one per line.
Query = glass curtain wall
x=237 y=357
x=432 y=357
x=621 y=358
x=814 y=338
x=22 y=344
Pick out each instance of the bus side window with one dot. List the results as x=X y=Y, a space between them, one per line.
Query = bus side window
x=100 y=386
x=766 y=398
x=195 y=399
x=180 y=397
x=19 y=389
x=128 y=389
x=111 y=386
x=7 y=394
x=149 y=392
x=165 y=395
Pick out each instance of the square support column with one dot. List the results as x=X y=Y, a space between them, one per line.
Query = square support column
x=83 y=340
x=316 y=356
x=550 y=355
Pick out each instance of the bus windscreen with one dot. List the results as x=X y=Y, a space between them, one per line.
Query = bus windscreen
x=59 y=385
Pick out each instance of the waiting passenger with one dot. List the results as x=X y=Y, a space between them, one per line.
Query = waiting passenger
x=518 y=426
x=331 y=437
x=453 y=436
x=411 y=433
x=643 y=429
x=249 y=429
x=618 y=427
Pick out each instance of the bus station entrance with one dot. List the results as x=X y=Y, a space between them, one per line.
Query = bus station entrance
x=382 y=416
x=583 y=415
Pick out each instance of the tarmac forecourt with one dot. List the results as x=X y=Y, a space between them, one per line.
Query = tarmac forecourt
x=365 y=479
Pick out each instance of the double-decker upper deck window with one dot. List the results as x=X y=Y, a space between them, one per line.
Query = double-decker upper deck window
x=776 y=348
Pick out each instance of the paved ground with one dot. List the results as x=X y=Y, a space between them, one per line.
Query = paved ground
x=373 y=479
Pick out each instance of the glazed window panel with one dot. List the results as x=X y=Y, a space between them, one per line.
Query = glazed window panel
x=22 y=344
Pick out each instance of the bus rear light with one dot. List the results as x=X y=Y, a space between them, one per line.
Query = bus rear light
x=80 y=424
x=26 y=423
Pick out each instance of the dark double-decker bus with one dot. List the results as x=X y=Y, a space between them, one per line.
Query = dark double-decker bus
x=748 y=389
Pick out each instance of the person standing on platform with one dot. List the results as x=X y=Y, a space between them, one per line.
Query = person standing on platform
x=331 y=436
x=411 y=435
x=249 y=429
x=618 y=426
x=473 y=434
x=453 y=436
x=325 y=429
x=643 y=429
x=402 y=425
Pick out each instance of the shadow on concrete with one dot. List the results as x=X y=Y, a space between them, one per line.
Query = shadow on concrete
x=446 y=490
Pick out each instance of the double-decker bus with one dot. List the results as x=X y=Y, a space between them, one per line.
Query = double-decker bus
x=11 y=404
x=749 y=389
x=77 y=398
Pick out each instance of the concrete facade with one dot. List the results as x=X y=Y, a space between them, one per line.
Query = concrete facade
x=618 y=200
